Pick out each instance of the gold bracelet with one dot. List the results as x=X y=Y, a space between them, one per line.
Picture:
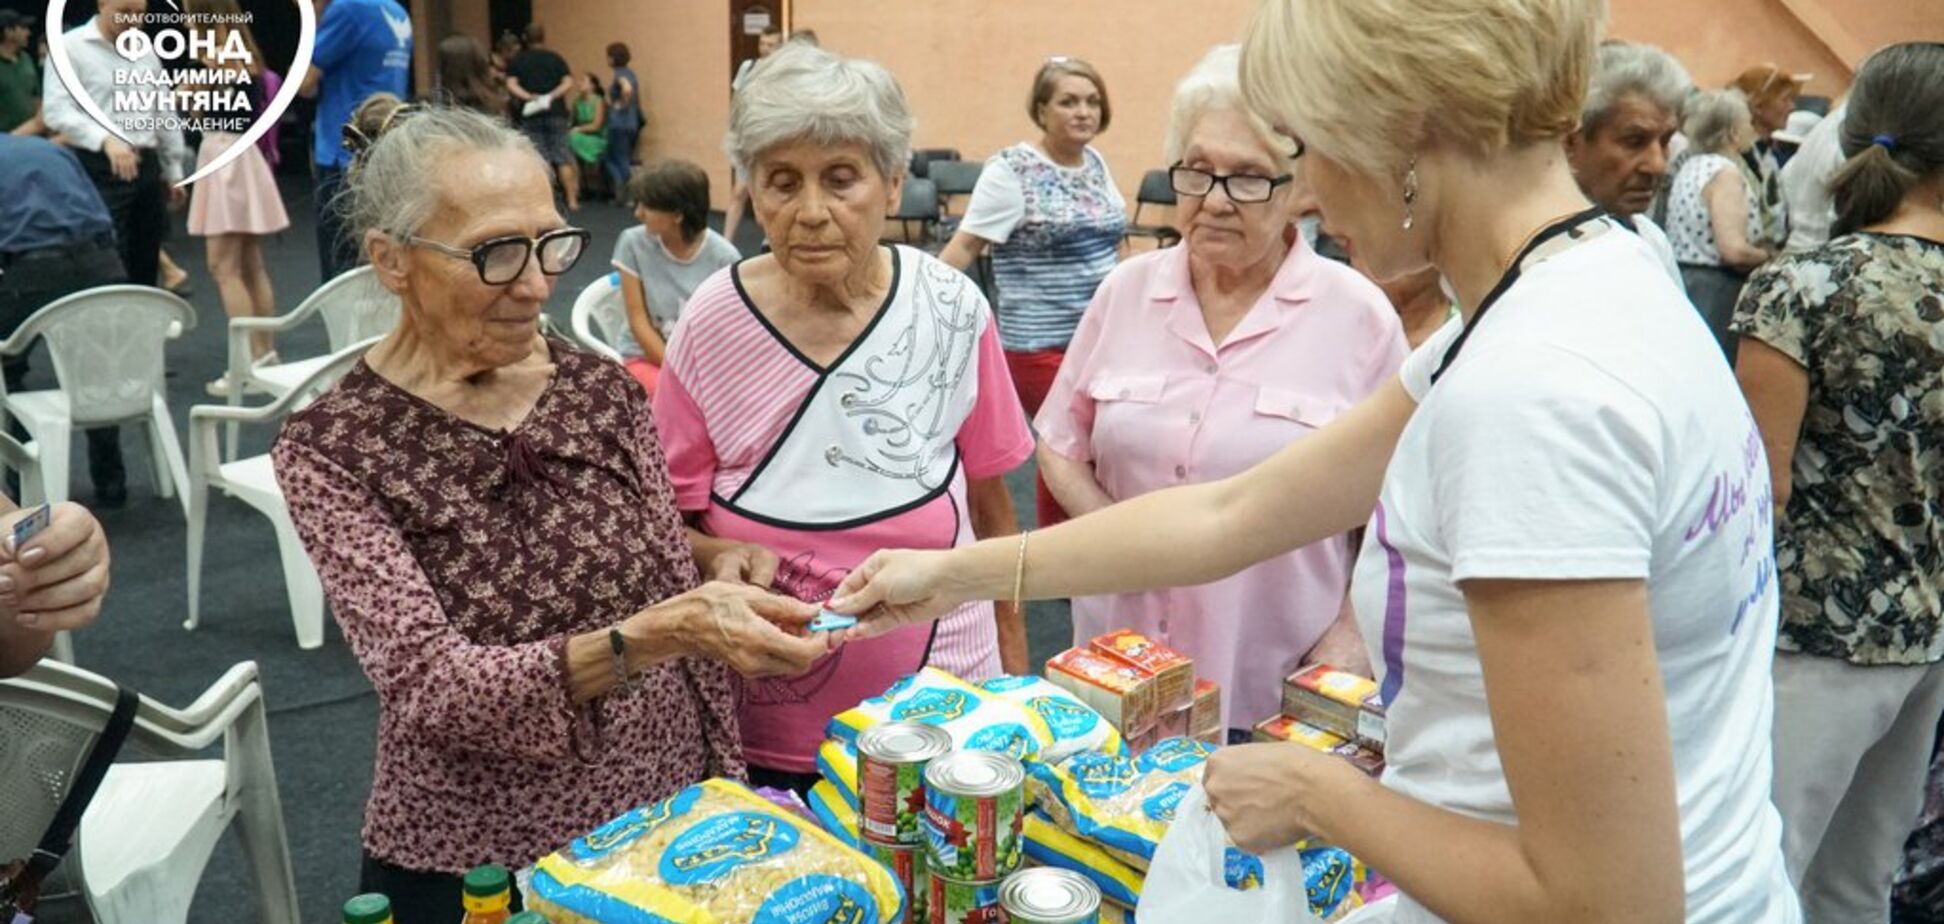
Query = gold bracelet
x=1019 y=571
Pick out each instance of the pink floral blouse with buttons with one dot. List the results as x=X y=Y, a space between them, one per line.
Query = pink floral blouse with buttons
x=458 y=561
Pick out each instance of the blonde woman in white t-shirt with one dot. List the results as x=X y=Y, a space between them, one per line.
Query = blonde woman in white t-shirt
x=1570 y=508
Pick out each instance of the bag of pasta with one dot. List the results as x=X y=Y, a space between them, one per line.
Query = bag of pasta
x=714 y=853
x=976 y=720
x=1075 y=725
x=1124 y=805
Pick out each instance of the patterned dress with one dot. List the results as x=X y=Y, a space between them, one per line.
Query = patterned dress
x=1068 y=240
x=1861 y=553
x=458 y=561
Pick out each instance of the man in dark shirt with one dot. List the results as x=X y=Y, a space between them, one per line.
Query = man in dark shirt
x=55 y=239
x=540 y=80
x=19 y=79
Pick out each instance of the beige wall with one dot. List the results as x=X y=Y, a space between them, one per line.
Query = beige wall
x=965 y=63
x=681 y=54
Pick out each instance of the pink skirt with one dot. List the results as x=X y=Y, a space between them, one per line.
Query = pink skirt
x=241 y=198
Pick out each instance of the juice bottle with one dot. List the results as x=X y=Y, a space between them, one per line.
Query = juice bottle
x=488 y=895
x=370 y=908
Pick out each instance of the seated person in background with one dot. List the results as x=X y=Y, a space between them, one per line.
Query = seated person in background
x=664 y=258
x=589 y=136
x=53 y=584
x=1619 y=153
x=492 y=518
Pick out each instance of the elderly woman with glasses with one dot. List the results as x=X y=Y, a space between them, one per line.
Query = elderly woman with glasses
x=837 y=396
x=1196 y=362
x=492 y=518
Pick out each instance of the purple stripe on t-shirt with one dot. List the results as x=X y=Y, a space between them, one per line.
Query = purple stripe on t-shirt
x=1393 y=613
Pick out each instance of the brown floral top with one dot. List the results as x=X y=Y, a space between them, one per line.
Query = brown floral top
x=1861 y=549
x=458 y=561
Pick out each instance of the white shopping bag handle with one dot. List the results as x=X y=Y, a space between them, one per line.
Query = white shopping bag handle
x=1186 y=881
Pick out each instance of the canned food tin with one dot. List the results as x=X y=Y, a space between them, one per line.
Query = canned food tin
x=907 y=865
x=1046 y=895
x=891 y=762
x=975 y=806
x=953 y=902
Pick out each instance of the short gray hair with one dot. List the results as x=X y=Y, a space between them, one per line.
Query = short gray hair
x=804 y=92
x=1215 y=85
x=389 y=188
x=1620 y=68
x=1710 y=116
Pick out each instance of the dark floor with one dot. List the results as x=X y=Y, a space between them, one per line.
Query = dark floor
x=323 y=714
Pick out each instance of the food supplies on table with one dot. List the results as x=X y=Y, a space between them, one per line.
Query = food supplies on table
x=1344 y=704
x=837 y=816
x=1049 y=896
x=1075 y=725
x=714 y=853
x=891 y=760
x=1047 y=844
x=975 y=811
x=1173 y=672
x=1122 y=804
x=975 y=719
x=1284 y=728
x=1117 y=690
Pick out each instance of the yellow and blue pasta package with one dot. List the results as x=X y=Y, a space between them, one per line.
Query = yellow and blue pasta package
x=1124 y=805
x=714 y=853
x=837 y=764
x=1048 y=845
x=976 y=720
x=1075 y=725
x=836 y=815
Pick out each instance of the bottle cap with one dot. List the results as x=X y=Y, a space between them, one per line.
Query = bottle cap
x=370 y=908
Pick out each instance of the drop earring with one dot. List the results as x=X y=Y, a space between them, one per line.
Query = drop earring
x=1410 y=193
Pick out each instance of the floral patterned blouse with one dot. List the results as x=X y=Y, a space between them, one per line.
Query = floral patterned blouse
x=458 y=560
x=1861 y=549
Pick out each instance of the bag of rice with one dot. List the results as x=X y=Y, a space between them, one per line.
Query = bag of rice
x=1075 y=726
x=1121 y=804
x=714 y=853
x=975 y=719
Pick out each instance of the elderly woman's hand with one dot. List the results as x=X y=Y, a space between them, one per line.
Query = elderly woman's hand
x=744 y=563
x=56 y=580
x=756 y=633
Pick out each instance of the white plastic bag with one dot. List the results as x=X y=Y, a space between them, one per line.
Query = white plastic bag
x=1185 y=884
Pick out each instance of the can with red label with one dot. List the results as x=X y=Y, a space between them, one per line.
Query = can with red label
x=975 y=807
x=907 y=865
x=952 y=902
x=891 y=761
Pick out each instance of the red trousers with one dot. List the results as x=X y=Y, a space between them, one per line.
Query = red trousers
x=1032 y=376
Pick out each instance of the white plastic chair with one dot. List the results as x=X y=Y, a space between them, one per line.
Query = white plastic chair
x=148 y=832
x=354 y=306
x=254 y=482
x=106 y=344
x=600 y=306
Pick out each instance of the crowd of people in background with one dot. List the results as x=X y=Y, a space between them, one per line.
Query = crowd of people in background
x=729 y=493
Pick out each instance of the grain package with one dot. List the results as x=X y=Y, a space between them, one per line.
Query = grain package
x=714 y=853
x=976 y=720
x=1173 y=672
x=1124 y=805
x=837 y=816
x=1075 y=725
x=1118 y=691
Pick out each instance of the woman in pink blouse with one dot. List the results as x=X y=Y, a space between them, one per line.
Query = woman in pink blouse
x=1196 y=362
x=491 y=516
x=837 y=396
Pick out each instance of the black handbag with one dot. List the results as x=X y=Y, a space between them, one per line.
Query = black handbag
x=20 y=880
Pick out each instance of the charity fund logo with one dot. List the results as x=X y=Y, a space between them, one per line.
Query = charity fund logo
x=176 y=70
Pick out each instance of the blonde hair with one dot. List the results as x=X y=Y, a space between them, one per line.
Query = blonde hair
x=1367 y=82
x=1214 y=85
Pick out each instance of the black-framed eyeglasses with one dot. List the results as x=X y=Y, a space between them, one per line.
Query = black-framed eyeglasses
x=1240 y=187
x=501 y=260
